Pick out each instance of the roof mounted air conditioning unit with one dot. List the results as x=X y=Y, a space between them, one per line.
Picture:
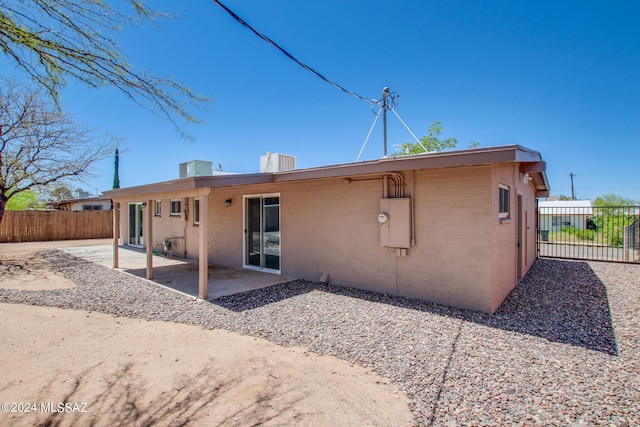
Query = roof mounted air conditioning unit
x=277 y=163
x=196 y=168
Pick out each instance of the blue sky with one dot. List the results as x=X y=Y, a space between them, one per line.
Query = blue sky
x=559 y=77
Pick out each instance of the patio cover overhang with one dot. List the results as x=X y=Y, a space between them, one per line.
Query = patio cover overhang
x=200 y=186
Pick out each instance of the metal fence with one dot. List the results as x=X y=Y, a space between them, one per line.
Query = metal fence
x=33 y=226
x=602 y=233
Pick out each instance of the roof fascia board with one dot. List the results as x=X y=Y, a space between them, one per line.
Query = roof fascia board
x=86 y=199
x=186 y=187
x=447 y=159
x=234 y=180
x=177 y=186
x=534 y=167
x=391 y=164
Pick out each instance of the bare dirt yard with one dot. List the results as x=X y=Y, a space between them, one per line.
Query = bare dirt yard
x=563 y=350
x=73 y=367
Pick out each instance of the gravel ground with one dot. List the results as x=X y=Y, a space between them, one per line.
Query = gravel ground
x=563 y=349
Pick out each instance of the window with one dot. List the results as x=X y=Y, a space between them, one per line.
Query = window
x=504 y=201
x=196 y=211
x=557 y=222
x=91 y=207
x=158 y=208
x=176 y=207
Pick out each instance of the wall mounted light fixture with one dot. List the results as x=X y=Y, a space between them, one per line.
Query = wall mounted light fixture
x=227 y=203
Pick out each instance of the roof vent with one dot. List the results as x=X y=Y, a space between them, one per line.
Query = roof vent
x=277 y=163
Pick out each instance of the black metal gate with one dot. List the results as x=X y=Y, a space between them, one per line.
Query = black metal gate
x=601 y=233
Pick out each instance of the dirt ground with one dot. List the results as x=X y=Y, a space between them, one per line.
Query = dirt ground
x=119 y=371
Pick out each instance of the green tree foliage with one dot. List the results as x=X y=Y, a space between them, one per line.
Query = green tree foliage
x=610 y=224
x=40 y=145
x=57 y=41
x=616 y=213
x=27 y=199
x=431 y=142
x=116 y=171
x=60 y=192
x=611 y=199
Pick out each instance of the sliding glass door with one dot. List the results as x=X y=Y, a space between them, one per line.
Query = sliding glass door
x=262 y=232
x=135 y=224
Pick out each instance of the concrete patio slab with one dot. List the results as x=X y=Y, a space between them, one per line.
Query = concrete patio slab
x=179 y=274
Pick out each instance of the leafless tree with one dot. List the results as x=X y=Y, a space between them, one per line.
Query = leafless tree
x=54 y=41
x=41 y=145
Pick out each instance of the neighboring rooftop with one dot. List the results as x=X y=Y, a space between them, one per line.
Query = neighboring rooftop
x=566 y=207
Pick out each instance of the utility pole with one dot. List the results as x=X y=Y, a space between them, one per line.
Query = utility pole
x=573 y=193
x=385 y=95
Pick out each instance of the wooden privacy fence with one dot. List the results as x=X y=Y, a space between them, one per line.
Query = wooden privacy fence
x=34 y=226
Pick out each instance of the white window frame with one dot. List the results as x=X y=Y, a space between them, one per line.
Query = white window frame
x=158 y=208
x=504 y=213
x=173 y=205
x=244 y=240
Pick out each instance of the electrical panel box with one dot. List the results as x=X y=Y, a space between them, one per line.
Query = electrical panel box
x=395 y=223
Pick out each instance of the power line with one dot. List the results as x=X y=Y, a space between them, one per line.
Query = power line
x=290 y=56
x=388 y=101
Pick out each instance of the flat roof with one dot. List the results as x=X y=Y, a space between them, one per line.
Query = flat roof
x=435 y=160
x=565 y=203
x=80 y=200
x=565 y=207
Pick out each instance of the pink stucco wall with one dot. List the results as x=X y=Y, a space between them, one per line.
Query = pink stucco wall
x=504 y=245
x=463 y=254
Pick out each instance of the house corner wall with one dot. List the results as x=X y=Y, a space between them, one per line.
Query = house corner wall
x=505 y=254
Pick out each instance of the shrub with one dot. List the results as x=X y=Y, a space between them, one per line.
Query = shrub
x=579 y=234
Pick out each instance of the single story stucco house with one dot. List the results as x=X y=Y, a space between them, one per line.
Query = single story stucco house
x=555 y=214
x=96 y=203
x=456 y=228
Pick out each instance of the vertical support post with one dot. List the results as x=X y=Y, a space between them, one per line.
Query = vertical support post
x=203 y=245
x=148 y=238
x=626 y=242
x=636 y=240
x=116 y=232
